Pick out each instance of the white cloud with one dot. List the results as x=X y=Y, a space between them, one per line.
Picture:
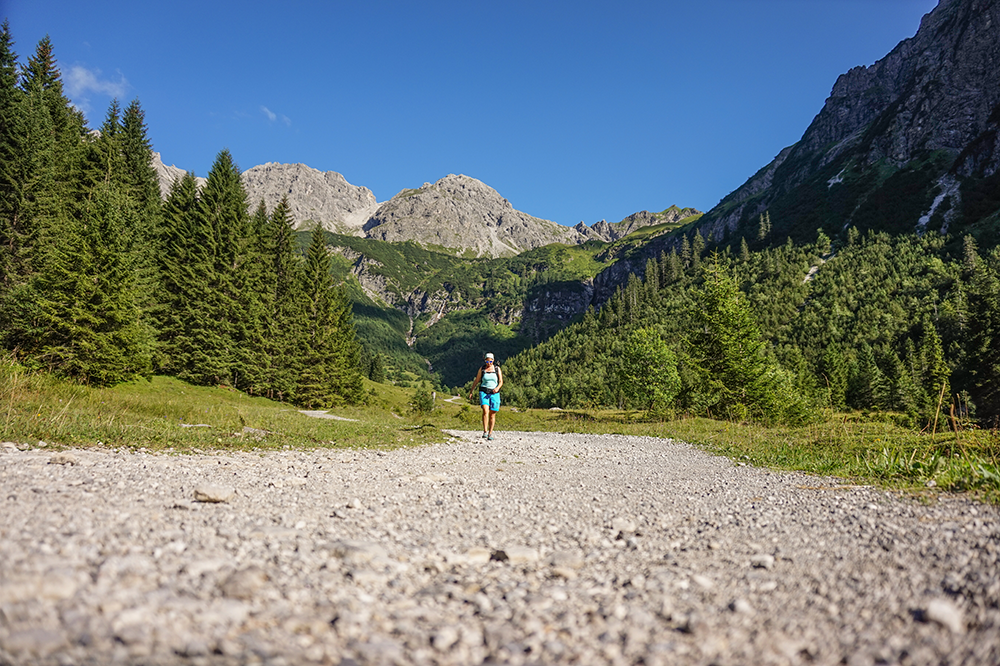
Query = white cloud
x=80 y=81
x=272 y=116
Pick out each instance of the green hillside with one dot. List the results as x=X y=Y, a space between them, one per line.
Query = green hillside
x=480 y=298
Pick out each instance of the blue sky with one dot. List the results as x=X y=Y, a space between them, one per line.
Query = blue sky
x=571 y=110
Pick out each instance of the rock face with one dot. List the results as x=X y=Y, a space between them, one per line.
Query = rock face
x=603 y=231
x=313 y=195
x=168 y=174
x=460 y=212
x=928 y=111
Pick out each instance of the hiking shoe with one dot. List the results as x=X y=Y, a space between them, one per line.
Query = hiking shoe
x=485 y=436
x=490 y=437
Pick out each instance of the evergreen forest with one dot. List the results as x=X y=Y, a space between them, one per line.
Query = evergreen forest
x=103 y=282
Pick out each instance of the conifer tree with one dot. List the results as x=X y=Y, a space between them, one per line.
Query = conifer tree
x=697 y=248
x=744 y=250
x=674 y=269
x=253 y=294
x=204 y=350
x=10 y=103
x=176 y=268
x=764 y=228
x=742 y=380
x=869 y=387
x=984 y=339
x=331 y=356
x=283 y=327
x=144 y=189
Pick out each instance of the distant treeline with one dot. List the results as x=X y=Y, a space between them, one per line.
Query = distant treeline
x=102 y=282
x=901 y=324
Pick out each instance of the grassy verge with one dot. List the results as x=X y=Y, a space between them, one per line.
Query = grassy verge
x=168 y=415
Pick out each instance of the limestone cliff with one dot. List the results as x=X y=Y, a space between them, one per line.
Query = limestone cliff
x=314 y=196
x=895 y=142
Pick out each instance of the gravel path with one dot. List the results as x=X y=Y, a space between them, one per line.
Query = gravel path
x=533 y=548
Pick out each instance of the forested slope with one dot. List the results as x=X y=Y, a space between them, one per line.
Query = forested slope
x=884 y=323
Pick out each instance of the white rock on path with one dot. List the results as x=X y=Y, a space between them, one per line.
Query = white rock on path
x=213 y=493
x=945 y=613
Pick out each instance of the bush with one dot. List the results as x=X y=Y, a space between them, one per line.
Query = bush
x=422 y=402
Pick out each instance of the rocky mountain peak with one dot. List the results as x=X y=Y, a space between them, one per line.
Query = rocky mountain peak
x=313 y=195
x=458 y=213
x=929 y=109
x=461 y=213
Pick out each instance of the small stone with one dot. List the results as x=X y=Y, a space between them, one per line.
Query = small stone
x=622 y=525
x=445 y=638
x=243 y=584
x=521 y=555
x=357 y=552
x=355 y=504
x=566 y=559
x=210 y=492
x=564 y=572
x=690 y=623
x=36 y=642
x=945 y=613
x=64 y=458
x=741 y=606
x=762 y=561
x=433 y=478
x=478 y=555
x=702 y=582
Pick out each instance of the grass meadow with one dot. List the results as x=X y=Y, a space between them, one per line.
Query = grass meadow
x=166 y=415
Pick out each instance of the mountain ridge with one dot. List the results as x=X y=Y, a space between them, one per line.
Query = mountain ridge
x=920 y=123
x=457 y=213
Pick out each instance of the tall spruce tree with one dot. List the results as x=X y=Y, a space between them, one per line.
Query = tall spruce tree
x=210 y=313
x=143 y=188
x=283 y=326
x=10 y=183
x=176 y=270
x=984 y=339
x=741 y=379
x=254 y=296
x=330 y=352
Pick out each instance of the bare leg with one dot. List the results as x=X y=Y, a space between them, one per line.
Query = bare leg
x=486 y=418
x=493 y=422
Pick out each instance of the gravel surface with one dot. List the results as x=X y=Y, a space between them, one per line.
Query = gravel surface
x=533 y=548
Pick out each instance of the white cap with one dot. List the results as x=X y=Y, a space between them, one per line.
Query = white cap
x=489 y=355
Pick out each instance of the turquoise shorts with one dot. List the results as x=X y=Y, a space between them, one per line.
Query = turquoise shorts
x=493 y=400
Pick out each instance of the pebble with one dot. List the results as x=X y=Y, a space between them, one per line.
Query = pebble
x=945 y=613
x=213 y=493
x=64 y=458
x=592 y=549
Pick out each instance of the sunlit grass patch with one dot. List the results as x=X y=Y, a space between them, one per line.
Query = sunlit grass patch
x=167 y=414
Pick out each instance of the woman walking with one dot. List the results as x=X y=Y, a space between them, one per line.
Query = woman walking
x=488 y=380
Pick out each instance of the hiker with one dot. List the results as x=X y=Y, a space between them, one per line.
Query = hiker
x=488 y=380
